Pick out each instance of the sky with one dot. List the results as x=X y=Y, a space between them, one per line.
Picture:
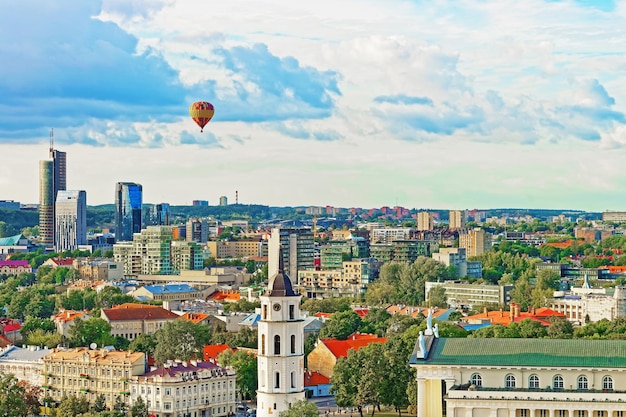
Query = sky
x=352 y=103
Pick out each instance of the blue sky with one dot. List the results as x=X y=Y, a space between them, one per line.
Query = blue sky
x=445 y=104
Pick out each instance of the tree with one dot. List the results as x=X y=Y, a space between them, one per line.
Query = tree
x=39 y=337
x=72 y=406
x=560 y=328
x=398 y=373
x=301 y=408
x=120 y=405
x=32 y=393
x=375 y=321
x=139 y=409
x=100 y=404
x=110 y=296
x=341 y=325
x=246 y=367
x=145 y=343
x=437 y=297
x=345 y=380
x=180 y=339
x=12 y=403
x=93 y=330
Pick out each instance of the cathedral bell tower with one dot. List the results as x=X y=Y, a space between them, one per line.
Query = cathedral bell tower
x=281 y=347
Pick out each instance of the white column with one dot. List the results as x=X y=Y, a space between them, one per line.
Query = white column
x=551 y=412
x=421 y=397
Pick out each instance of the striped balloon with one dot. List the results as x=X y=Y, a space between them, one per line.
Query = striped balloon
x=201 y=112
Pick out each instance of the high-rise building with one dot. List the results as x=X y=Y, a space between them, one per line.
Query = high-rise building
x=156 y=214
x=297 y=248
x=52 y=179
x=223 y=200
x=148 y=253
x=197 y=230
x=70 y=212
x=128 y=198
x=473 y=241
x=457 y=219
x=425 y=221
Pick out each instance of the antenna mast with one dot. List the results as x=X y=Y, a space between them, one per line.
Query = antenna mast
x=51 y=141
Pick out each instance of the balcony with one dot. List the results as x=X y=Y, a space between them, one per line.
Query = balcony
x=123 y=379
x=48 y=374
x=46 y=386
x=124 y=392
x=84 y=376
x=84 y=390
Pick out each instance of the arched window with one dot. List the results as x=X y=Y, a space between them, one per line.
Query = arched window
x=607 y=383
x=277 y=345
x=293 y=343
x=262 y=344
x=533 y=381
x=557 y=382
x=583 y=382
x=477 y=380
x=509 y=381
x=277 y=380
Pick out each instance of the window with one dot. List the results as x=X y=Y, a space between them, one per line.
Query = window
x=292 y=312
x=557 y=382
x=509 y=381
x=277 y=345
x=523 y=412
x=277 y=380
x=583 y=383
x=607 y=383
x=533 y=382
x=560 y=413
x=293 y=343
x=543 y=413
x=262 y=344
x=264 y=311
x=477 y=380
x=293 y=379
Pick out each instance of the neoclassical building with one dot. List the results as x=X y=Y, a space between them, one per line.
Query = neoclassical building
x=520 y=377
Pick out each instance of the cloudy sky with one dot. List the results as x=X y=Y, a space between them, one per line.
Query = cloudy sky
x=351 y=103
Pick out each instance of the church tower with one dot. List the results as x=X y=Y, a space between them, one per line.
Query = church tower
x=281 y=347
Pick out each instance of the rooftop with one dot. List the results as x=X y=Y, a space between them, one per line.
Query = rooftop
x=169 y=288
x=340 y=348
x=143 y=312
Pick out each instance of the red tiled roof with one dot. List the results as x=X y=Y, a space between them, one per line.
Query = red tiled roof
x=213 y=351
x=135 y=305
x=15 y=264
x=340 y=348
x=135 y=313
x=194 y=317
x=12 y=327
x=361 y=311
x=312 y=379
x=63 y=261
x=223 y=296
x=4 y=342
x=321 y=315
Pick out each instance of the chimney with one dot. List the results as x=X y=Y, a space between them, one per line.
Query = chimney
x=516 y=311
x=501 y=312
x=485 y=311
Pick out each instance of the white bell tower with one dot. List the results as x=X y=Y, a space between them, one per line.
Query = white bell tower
x=281 y=347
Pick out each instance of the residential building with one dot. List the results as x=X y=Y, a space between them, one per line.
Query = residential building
x=15 y=267
x=504 y=317
x=168 y=292
x=456 y=257
x=195 y=388
x=317 y=385
x=64 y=319
x=186 y=256
x=400 y=250
x=223 y=201
x=55 y=263
x=324 y=356
x=425 y=221
x=461 y=294
x=456 y=219
x=148 y=253
x=70 y=212
x=197 y=230
x=234 y=249
x=280 y=353
x=389 y=234
x=473 y=241
x=52 y=179
x=99 y=269
x=156 y=214
x=128 y=203
x=518 y=377
x=131 y=320
x=614 y=216
x=90 y=372
x=25 y=363
x=297 y=249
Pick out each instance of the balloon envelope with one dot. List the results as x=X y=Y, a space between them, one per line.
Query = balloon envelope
x=201 y=112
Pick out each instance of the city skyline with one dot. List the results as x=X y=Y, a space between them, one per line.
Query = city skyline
x=375 y=103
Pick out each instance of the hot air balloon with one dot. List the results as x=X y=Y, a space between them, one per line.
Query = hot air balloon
x=201 y=112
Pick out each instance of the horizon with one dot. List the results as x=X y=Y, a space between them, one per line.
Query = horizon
x=382 y=103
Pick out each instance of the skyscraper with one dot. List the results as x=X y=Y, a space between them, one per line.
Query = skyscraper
x=70 y=212
x=52 y=179
x=156 y=214
x=128 y=196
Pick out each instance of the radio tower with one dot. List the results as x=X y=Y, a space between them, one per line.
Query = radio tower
x=236 y=197
x=51 y=142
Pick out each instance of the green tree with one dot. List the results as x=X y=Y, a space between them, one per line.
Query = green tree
x=12 y=403
x=560 y=328
x=40 y=337
x=301 y=408
x=72 y=406
x=246 y=367
x=93 y=330
x=33 y=323
x=145 y=343
x=140 y=408
x=340 y=325
x=120 y=406
x=32 y=394
x=180 y=339
x=100 y=404
x=375 y=321
x=110 y=296
x=437 y=297
x=345 y=380
x=397 y=374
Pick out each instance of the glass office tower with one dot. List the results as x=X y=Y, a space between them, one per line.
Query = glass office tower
x=128 y=196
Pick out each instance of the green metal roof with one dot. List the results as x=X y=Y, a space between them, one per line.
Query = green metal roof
x=10 y=240
x=526 y=352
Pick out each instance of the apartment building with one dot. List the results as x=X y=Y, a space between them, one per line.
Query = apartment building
x=425 y=221
x=234 y=249
x=193 y=389
x=90 y=373
x=473 y=241
x=456 y=219
x=461 y=294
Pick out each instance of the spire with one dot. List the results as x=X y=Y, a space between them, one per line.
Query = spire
x=280 y=284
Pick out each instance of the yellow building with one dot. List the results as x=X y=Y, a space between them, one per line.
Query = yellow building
x=234 y=249
x=519 y=377
x=457 y=219
x=473 y=241
x=425 y=221
x=90 y=372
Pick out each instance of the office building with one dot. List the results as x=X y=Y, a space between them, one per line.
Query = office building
x=197 y=230
x=156 y=214
x=297 y=249
x=425 y=221
x=457 y=219
x=223 y=200
x=52 y=179
x=70 y=220
x=462 y=294
x=473 y=241
x=128 y=201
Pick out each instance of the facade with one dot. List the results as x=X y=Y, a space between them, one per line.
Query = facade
x=456 y=257
x=148 y=253
x=389 y=234
x=281 y=347
x=64 y=319
x=297 y=250
x=234 y=249
x=327 y=352
x=168 y=292
x=425 y=221
x=131 y=320
x=473 y=241
x=90 y=373
x=128 y=202
x=519 y=377
x=400 y=250
x=185 y=256
x=197 y=230
x=461 y=294
x=456 y=219
x=70 y=212
x=156 y=214
x=99 y=269
x=191 y=389
x=583 y=305
x=349 y=281
x=25 y=363
x=14 y=267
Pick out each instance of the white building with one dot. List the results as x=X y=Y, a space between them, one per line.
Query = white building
x=70 y=212
x=519 y=377
x=590 y=304
x=193 y=389
x=281 y=347
x=25 y=363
